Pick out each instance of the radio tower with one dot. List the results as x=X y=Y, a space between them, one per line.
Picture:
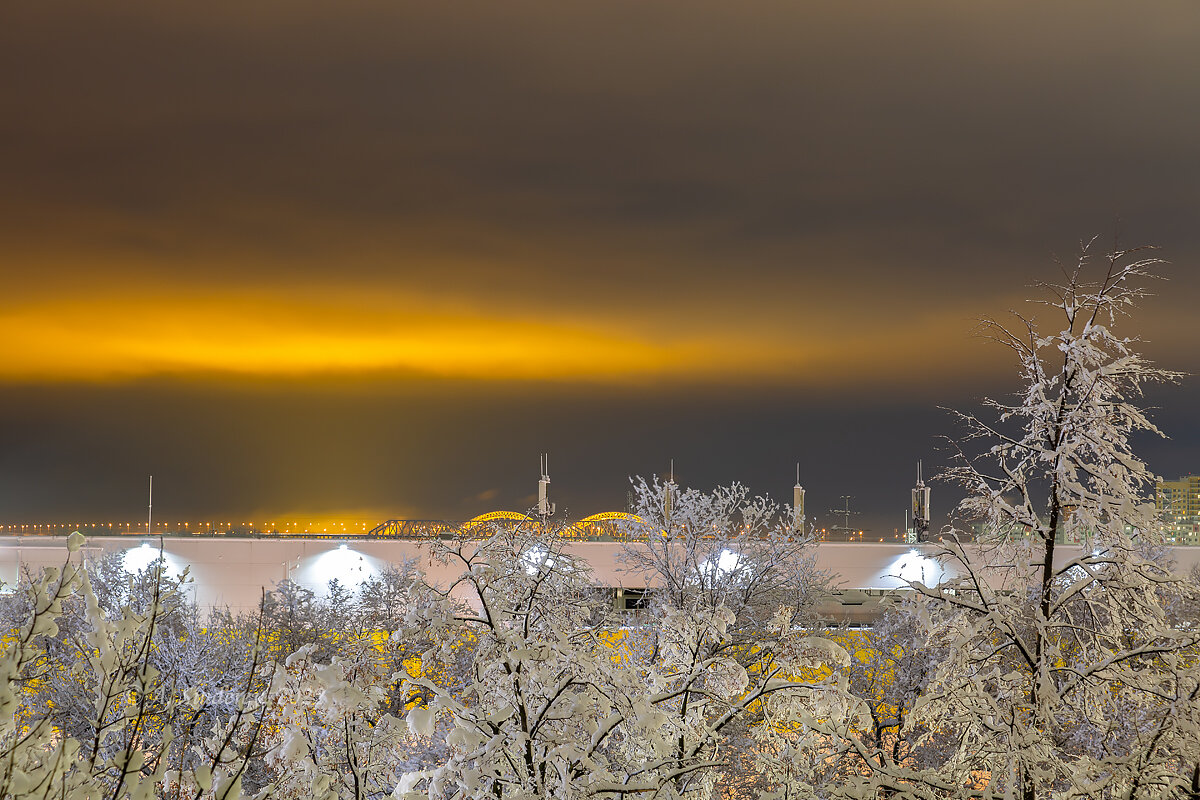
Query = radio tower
x=920 y=510
x=845 y=513
x=798 y=504
x=669 y=495
x=544 y=506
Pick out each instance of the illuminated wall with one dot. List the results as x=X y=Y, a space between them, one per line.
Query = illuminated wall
x=233 y=572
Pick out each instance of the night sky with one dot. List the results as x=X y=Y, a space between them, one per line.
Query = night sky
x=370 y=259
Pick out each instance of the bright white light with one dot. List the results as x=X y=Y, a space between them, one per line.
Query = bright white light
x=728 y=561
x=912 y=566
x=722 y=563
x=138 y=558
x=349 y=567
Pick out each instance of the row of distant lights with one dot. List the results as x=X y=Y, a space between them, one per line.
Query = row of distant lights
x=138 y=527
x=287 y=527
x=859 y=534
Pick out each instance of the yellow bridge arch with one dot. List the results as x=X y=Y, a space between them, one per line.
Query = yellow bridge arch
x=612 y=516
x=605 y=523
x=497 y=516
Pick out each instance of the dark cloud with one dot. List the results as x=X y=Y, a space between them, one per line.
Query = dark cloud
x=416 y=452
x=833 y=189
x=456 y=449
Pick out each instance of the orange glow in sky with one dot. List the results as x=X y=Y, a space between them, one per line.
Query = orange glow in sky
x=98 y=338
x=112 y=338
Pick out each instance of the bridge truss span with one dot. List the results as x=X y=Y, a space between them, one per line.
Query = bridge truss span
x=605 y=526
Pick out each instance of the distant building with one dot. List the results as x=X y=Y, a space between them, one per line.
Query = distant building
x=1179 y=503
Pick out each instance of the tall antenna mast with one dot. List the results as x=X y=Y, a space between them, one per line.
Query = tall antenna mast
x=920 y=509
x=845 y=513
x=669 y=494
x=798 y=503
x=150 y=509
x=545 y=507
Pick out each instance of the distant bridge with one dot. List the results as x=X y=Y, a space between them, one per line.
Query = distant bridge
x=606 y=526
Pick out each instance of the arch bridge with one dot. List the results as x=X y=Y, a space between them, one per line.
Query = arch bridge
x=607 y=526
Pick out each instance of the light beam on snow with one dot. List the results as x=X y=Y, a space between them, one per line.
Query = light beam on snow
x=347 y=566
x=912 y=566
x=727 y=561
x=138 y=558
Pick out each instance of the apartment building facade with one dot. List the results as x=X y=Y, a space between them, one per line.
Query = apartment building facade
x=1179 y=503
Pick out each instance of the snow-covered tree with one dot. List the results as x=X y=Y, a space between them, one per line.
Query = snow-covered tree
x=1066 y=675
x=559 y=700
x=731 y=582
x=92 y=708
x=542 y=711
x=701 y=550
x=333 y=734
x=858 y=723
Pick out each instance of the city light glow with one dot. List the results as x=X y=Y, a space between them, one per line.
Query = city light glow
x=282 y=335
